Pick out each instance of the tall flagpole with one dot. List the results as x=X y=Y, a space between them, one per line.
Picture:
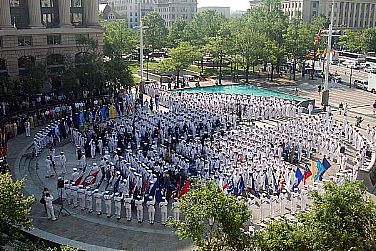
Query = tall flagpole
x=141 y=44
x=325 y=96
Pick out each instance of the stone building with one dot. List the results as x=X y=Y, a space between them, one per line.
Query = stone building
x=45 y=31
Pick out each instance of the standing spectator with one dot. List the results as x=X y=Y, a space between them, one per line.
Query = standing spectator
x=374 y=108
x=50 y=208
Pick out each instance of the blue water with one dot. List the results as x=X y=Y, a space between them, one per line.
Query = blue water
x=244 y=89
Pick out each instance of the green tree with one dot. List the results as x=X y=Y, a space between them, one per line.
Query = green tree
x=89 y=63
x=369 y=40
x=14 y=206
x=156 y=31
x=352 y=41
x=119 y=39
x=342 y=218
x=176 y=32
x=181 y=57
x=206 y=24
x=298 y=41
x=206 y=201
x=117 y=73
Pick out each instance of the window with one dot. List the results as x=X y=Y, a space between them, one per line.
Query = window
x=24 y=41
x=76 y=3
x=314 y=5
x=1 y=42
x=53 y=39
x=15 y=3
x=47 y=3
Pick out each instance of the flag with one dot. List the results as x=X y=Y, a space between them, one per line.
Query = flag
x=281 y=181
x=78 y=180
x=266 y=183
x=185 y=189
x=134 y=186
x=230 y=188
x=313 y=169
x=324 y=53
x=320 y=170
x=153 y=188
x=307 y=174
x=298 y=178
x=116 y=184
x=318 y=52
x=326 y=163
x=240 y=186
x=254 y=191
x=90 y=179
x=145 y=185
x=275 y=185
x=318 y=38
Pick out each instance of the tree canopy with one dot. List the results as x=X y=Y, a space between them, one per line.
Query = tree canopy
x=119 y=39
x=155 y=32
x=205 y=202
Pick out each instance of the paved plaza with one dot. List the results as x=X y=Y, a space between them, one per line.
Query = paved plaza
x=93 y=232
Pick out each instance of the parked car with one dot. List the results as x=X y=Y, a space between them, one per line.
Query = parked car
x=370 y=69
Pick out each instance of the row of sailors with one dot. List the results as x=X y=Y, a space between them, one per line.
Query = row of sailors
x=91 y=200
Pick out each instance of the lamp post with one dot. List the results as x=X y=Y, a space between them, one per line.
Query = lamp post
x=325 y=94
x=147 y=67
x=351 y=72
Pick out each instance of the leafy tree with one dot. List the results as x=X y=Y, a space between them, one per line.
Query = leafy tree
x=342 y=218
x=298 y=41
x=89 y=64
x=181 y=57
x=176 y=33
x=156 y=31
x=271 y=20
x=352 y=41
x=206 y=24
x=206 y=201
x=250 y=42
x=14 y=206
x=117 y=73
x=119 y=39
x=369 y=40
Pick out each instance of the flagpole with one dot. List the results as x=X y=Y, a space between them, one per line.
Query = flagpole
x=325 y=95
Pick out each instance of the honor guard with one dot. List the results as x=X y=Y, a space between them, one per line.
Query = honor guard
x=139 y=209
x=98 y=201
x=89 y=199
x=163 y=206
x=108 y=202
x=117 y=203
x=151 y=209
x=128 y=207
x=81 y=196
x=176 y=209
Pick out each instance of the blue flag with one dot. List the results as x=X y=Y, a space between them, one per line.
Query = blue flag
x=320 y=170
x=230 y=188
x=299 y=178
x=240 y=186
x=154 y=188
x=326 y=163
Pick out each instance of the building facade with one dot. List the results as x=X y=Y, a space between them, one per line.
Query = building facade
x=170 y=10
x=348 y=14
x=225 y=11
x=45 y=31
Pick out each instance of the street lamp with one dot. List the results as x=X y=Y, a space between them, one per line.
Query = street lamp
x=325 y=94
x=351 y=72
x=147 y=67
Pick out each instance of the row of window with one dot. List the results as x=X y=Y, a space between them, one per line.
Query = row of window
x=44 y=3
x=54 y=39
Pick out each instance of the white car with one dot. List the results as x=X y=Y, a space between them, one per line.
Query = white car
x=370 y=69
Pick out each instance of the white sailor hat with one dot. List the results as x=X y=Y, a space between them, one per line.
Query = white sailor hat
x=150 y=197
x=163 y=198
x=74 y=169
x=94 y=164
x=96 y=190
x=117 y=194
x=62 y=152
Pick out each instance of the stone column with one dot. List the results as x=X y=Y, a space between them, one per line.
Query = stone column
x=64 y=13
x=5 y=18
x=91 y=9
x=35 y=16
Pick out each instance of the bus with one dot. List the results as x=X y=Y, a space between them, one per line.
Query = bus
x=371 y=61
x=350 y=56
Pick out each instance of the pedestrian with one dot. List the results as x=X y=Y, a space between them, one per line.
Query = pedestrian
x=374 y=108
x=319 y=88
x=340 y=108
